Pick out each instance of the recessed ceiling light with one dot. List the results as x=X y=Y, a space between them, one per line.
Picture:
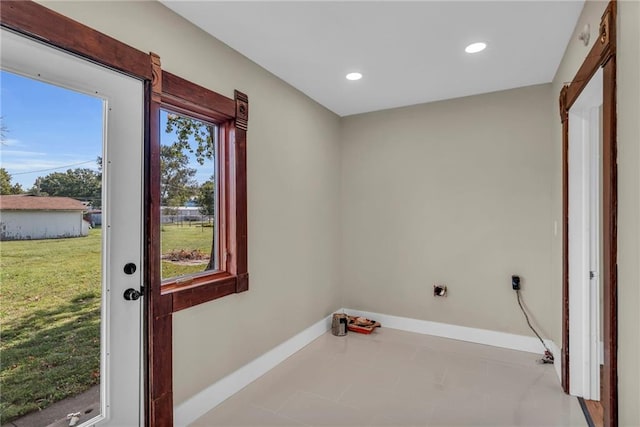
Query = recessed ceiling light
x=475 y=47
x=354 y=76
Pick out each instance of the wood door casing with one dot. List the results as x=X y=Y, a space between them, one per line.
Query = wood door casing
x=602 y=55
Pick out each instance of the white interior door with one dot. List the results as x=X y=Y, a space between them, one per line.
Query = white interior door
x=584 y=241
x=122 y=210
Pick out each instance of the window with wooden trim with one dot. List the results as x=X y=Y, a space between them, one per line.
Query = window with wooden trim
x=189 y=214
x=198 y=173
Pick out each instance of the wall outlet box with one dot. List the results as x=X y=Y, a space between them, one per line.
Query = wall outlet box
x=515 y=283
x=439 y=291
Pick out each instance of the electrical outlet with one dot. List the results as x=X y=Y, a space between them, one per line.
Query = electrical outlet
x=515 y=282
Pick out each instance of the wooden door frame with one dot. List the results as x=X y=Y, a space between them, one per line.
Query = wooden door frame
x=602 y=55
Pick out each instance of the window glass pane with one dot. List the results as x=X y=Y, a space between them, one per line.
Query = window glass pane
x=188 y=149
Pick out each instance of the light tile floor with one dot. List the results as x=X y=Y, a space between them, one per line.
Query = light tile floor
x=396 y=378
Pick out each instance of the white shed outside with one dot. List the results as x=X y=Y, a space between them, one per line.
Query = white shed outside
x=27 y=217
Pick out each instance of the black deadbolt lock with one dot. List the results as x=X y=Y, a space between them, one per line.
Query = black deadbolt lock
x=129 y=268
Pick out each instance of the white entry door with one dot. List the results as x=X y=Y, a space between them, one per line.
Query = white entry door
x=121 y=235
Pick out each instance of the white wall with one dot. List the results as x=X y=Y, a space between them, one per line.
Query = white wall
x=456 y=193
x=628 y=93
x=293 y=183
x=30 y=225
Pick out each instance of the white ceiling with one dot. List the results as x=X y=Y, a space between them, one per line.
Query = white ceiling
x=408 y=52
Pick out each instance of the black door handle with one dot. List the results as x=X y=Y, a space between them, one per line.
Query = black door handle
x=132 y=294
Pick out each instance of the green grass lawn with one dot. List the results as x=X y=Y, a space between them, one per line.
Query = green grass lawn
x=187 y=236
x=50 y=314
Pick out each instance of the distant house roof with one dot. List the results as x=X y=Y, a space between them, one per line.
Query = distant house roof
x=26 y=202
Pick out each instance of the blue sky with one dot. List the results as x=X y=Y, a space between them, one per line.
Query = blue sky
x=51 y=129
x=203 y=172
x=48 y=127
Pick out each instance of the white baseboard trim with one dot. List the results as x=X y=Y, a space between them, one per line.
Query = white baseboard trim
x=198 y=405
x=201 y=403
x=462 y=333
